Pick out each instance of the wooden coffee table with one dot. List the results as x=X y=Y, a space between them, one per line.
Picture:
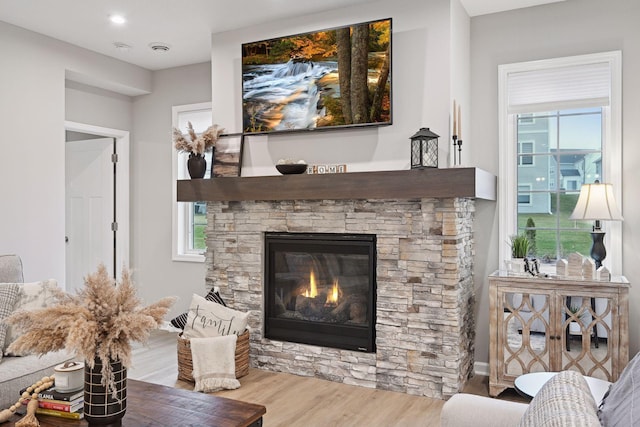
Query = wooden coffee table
x=157 y=405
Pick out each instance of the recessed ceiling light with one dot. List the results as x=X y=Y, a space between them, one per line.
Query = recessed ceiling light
x=117 y=19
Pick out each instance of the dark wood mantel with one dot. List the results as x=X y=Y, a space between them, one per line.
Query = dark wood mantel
x=402 y=184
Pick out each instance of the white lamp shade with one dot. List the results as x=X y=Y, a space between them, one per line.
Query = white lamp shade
x=596 y=202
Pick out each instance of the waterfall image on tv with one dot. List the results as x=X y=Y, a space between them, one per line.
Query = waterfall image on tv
x=325 y=79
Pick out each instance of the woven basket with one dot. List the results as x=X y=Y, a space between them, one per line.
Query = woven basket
x=185 y=362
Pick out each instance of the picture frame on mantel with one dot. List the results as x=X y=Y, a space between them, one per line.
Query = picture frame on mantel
x=227 y=157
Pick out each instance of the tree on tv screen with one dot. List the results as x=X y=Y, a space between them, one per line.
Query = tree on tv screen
x=327 y=78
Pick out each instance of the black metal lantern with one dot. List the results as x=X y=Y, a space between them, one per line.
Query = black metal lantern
x=424 y=149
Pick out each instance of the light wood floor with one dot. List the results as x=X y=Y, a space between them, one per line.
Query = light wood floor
x=302 y=401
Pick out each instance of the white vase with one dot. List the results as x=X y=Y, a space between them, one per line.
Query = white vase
x=515 y=265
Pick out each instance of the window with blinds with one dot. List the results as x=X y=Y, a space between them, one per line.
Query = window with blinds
x=559 y=129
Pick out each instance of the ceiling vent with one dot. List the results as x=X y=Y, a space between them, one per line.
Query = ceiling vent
x=159 y=47
x=122 y=46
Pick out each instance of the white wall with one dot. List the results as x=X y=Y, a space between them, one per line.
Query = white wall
x=421 y=89
x=32 y=115
x=567 y=28
x=460 y=78
x=98 y=107
x=156 y=275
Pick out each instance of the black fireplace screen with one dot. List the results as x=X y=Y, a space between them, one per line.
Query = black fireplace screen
x=320 y=289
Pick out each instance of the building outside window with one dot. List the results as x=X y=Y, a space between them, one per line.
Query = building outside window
x=569 y=151
x=524 y=194
x=525 y=149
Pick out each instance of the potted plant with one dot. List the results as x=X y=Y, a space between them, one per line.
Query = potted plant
x=196 y=147
x=520 y=247
x=98 y=324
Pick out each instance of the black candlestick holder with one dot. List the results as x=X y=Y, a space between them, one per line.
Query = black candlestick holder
x=455 y=139
x=457 y=144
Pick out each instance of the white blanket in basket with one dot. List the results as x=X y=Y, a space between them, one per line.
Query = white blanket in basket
x=214 y=363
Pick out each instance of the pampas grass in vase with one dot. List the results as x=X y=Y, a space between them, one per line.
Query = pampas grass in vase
x=98 y=323
x=206 y=141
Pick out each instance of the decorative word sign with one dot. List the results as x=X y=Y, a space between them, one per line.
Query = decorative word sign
x=320 y=169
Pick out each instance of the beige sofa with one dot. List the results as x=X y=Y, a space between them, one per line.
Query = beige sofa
x=565 y=400
x=17 y=372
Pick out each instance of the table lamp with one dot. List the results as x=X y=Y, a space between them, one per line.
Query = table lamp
x=596 y=202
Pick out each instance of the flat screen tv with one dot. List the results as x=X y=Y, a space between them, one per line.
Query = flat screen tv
x=326 y=79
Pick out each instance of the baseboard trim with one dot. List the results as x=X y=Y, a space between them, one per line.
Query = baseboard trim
x=481 y=368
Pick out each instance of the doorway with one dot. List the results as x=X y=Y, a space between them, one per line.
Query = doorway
x=96 y=201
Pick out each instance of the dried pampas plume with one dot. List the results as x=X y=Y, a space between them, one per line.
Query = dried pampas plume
x=100 y=322
x=198 y=144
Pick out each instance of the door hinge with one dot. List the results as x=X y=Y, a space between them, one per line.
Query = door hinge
x=114 y=226
x=114 y=158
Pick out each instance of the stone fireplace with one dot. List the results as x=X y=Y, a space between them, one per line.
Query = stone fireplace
x=424 y=325
x=424 y=297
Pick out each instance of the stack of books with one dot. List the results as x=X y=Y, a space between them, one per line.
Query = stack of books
x=58 y=404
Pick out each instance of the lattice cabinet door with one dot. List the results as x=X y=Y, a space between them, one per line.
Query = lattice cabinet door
x=523 y=335
x=589 y=322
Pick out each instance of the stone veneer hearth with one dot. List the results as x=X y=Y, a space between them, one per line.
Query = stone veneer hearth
x=425 y=297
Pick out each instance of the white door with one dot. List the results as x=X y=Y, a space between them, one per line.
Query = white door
x=89 y=209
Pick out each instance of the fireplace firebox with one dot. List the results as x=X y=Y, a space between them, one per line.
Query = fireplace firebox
x=320 y=289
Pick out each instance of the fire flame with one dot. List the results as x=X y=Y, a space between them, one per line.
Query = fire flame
x=332 y=297
x=313 y=292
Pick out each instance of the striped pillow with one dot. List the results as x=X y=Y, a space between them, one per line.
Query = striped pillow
x=8 y=297
x=213 y=295
x=620 y=407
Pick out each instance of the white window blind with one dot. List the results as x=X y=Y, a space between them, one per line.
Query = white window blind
x=559 y=88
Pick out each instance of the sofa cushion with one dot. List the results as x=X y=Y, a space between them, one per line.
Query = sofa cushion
x=564 y=401
x=31 y=296
x=8 y=298
x=620 y=406
x=210 y=319
x=11 y=269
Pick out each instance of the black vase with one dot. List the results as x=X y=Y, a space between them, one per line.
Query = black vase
x=100 y=407
x=197 y=165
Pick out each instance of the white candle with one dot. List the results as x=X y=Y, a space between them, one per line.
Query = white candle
x=459 y=123
x=455 y=122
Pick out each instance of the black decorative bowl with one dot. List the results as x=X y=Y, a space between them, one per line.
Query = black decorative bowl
x=290 y=169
